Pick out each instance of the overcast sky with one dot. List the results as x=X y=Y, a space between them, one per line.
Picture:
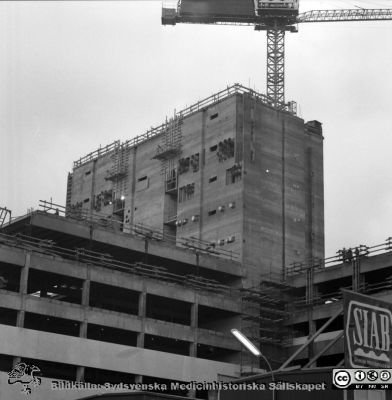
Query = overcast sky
x=74 y=75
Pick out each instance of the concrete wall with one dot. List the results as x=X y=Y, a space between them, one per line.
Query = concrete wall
x=314 y=155
x=88 y=181
x=280 y=181
x=201 y=134
x=95 y=354
x=147 y=203
x=278 y=214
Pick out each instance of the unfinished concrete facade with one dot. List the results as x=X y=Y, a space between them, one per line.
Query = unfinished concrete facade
x=91 y=304
x=229 y=173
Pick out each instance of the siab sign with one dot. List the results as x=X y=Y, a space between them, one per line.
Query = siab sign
x=368 y=329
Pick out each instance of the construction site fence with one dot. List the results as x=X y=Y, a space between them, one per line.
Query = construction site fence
x=105 y=260
x=137 y=229
x=201 y=104
x=343 y=256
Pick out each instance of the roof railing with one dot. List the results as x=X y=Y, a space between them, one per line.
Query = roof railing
x=156 y=131
x=344 y=255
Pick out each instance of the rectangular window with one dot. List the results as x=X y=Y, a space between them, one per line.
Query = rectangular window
x=195 y=162
x=225 y=149
x=213 y=116
x=186 y=192
x=212 y=212
x=88 y=173
x=213 y=179
x=252 y=155
x=233 y=174
x=183 y=165
x=213 y=148
x=142 y=183
x=86 y=200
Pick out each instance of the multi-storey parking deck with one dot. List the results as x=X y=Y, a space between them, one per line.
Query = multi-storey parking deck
x=138 y=310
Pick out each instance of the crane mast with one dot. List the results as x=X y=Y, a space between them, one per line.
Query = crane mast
x=275 y=66
x=276 y=17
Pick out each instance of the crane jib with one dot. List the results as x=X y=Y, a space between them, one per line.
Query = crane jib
x=274 y=16
x=345 y=15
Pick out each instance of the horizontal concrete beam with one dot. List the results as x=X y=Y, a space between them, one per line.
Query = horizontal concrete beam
x=12 y=255
x=95 y=354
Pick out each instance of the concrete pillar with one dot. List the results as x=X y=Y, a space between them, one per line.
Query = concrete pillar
x=83 y=325
x=23 y=283
x=142 y=304
x=20 y=317
x=142 y=314
x=85 y=304
x=356 y=276
x=140 y=340
x=312 y=331
x=309 y=300
x=80 y=374
x=15 y=361
x=83 y=329
x=194 y=326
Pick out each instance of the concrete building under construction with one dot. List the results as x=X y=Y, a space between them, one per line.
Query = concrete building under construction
x=212 y=221
x=229 y=172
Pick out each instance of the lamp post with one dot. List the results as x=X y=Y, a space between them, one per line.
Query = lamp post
x=254 y=350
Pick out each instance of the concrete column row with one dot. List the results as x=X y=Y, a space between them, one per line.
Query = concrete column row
x=142 y=311
x=80 y=371
x=20 y=316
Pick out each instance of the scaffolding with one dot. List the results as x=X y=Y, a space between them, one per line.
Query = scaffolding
x=264 y=316
x=117 y=174
x=265 y=310
x=170 y=145
x=69 y=191
x=4 y=214
x=120 y=162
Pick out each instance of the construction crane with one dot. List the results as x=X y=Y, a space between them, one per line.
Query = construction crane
x=274 y=16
